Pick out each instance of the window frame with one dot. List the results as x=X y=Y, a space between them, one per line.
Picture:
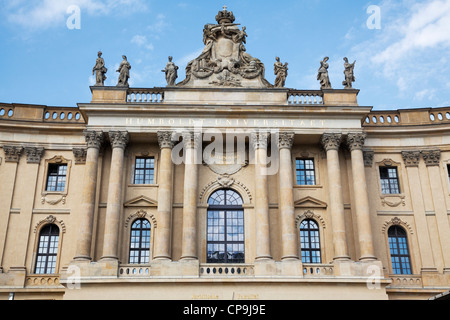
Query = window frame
x=408 y=248
x=140 y=249
x=56 y=160
x=228 y=211
x=305 y=170
x=47 y=255
x=389 y=179
x=310 y=250
x=150 y=169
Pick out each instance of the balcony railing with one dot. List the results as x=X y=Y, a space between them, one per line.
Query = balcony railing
x=408 y=117
x=405 y=281
x=145 y=96
x=318 y=270
x=42 y=280
x=226 y=270
x=305 y=97
x=134 y=271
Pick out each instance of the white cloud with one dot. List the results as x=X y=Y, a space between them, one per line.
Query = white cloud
x=142 y=41
x=47 y=13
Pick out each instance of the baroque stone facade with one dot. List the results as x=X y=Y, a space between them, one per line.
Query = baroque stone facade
x=313 y=192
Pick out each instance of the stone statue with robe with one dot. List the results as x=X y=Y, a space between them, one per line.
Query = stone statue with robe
x=171 y=72
x=322 y=75
x=124 y=73
x=349 y=74
x=281 y=72
x=99 y=70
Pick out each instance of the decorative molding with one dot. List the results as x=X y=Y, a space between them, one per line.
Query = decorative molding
x=12 y=153
x=141 y=214
x=309 y=215
x=368 y=158
x=80 y=155
x=50 y=220
x=432 y=158
x=286 y=140
x=411 y=158
x=229 y=163
x=212 y=186
x=94 y=139
x=53 y=202
x=34 y=154
x=396 y=221
x=225 y=181
x=393 y=201
x=355 y=141
x=310 y=202
x=165 y=139
x=331 y=141
x=119 y=139
x=141 y=201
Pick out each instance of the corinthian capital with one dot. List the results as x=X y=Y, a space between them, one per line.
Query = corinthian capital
x=331 y=141
x=34 y=154
x=165 y=139
x=94 y=139
x=119 y=139
x=12 y=153
x=411 y=158
x=355 y=141
x=432 y=158
x=259 y=140
x=286 y=140
x=191 y=139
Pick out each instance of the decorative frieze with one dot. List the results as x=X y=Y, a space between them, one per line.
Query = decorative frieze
x=119 y=139
x=12 y=153
x=165 y=139
x=331 y=141
x=34 y=154
x=286 y=140
x=94 y=139
x=355 y=141
x=411 y=158
x=432 y=158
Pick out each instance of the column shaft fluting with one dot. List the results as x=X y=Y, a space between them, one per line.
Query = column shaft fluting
x=361 y=197
x=331 y=144
x=263 y=251
x=286 y=202
x=94 y=140
x=189 y=241
x=119 y=140
x=165 y=188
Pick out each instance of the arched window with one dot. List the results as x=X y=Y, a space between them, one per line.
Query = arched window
x=225 y=229
x=47 y=250
x=398 y=246
x=140 y=242
x=310 y=241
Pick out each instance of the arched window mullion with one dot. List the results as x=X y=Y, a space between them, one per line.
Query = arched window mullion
x=140 y=242
x=310 y=242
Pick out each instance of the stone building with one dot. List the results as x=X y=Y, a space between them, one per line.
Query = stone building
x=223 y=186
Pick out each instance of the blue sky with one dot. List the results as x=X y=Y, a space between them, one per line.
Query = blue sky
x=404 y=64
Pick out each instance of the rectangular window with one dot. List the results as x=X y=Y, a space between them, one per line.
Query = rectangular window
x=389 y=180
x=305 y=172
x=144 y=170
x=56 y=177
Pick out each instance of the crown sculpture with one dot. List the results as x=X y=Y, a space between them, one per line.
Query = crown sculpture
x=224 y=62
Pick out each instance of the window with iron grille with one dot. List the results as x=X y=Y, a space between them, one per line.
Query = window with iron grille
x=144 y=170
x=56 y=177
x=398 y=246
x=225 y=228
x=389 y=180
x=305 y=172
x=140 y=242
x=47 y=250
x=310 y=242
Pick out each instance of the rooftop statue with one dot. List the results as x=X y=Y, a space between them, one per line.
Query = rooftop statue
x=349 y=74
x=224 y=60
x=99 y=70
x=124 y=72
x=322 y=75
x=171 y=72
x=281 y=71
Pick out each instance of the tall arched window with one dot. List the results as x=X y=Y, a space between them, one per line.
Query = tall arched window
x=310 y=241
x=47 y=250
x=398 y=246
x=140 y=242
x=225 y=229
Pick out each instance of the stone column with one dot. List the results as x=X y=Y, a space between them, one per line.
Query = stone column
x=165 y=182
x=331 y=143
x=260 y=141
x=355 y=142
x=189 y=237
x=286 y=202
x=432 y=160
x=119 y=141
x=94 y=140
